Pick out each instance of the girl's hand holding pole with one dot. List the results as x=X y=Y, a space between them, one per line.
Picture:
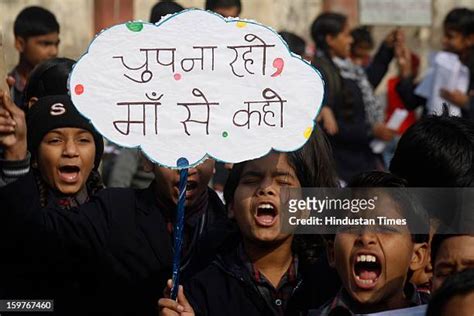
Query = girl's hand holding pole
x=169 y=307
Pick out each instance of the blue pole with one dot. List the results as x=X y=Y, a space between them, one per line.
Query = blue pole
x=179 y=224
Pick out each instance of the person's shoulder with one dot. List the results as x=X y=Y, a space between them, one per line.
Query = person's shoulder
x=212 y=272
x=115 y=193
x=115 y=197
x=214 y=202
x=324 y=65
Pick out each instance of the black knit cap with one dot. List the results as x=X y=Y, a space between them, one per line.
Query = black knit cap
x=57 y=111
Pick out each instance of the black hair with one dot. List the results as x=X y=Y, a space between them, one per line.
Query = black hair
x=377 y=179
x=332 y=24
x=459 y=284
x=35 y=21
x=437 y=151
x=212 y=5
x=327 y=24
x=464 y=227
x=460 y=20
x=409 y=205
x=48 y=78
x=313 y=165
x=361 y=35
x=163 y=8
x=439 y=237
x=295 y=43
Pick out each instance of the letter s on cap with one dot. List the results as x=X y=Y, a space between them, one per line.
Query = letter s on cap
x=57 y=109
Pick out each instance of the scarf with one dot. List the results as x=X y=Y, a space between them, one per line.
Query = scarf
x=374 y=112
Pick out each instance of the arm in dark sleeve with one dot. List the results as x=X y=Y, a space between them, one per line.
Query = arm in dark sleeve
x=196 y=294
x=406 y=90
x=468 y=111
x=352 y=133
x=11 y=170
x=53 y=230
x=379 y=65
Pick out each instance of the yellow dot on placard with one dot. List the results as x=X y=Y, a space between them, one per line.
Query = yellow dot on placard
x=241 y=24
x=307 y=132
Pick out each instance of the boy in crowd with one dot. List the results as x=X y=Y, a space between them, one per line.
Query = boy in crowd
x=36 y=39
x=458 y=38
x=362 y=46
x=437 y=151
x=226 y=8
x=375 y=263
x=455 y=297
x=162 y=8
x=450 y=254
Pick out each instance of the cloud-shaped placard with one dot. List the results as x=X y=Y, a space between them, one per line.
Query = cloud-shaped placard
x=197 y=84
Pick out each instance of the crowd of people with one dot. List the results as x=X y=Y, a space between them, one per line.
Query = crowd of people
x=93 y=229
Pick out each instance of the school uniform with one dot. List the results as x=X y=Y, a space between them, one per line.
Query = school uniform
x=341 y=304
x=232 y=285
x=119 y=242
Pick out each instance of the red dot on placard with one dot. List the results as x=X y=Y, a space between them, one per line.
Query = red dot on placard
x=177 y=76
x=79 y=89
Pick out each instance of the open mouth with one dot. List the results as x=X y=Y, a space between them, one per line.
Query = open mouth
x=69 y=173
x=367 y=269
x=191 y=185
x=266 y=214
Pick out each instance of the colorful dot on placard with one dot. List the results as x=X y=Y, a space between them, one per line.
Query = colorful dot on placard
x=135 y=26
x=225 y=134
x=177 y=76
x=79 y=89
x=241 y=24
x=307 y=132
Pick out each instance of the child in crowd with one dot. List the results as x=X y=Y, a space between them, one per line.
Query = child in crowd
x=163 y=8
x=381 y=283
x=450 y=254
x=422 y=277
x=362 y=46
x=351 y=114
x=36 y=39
x=65 y=154
x=263 y=275
x=455 y=297
x=458 y=27
x=48 y=78
x=437 y=151
x=226 y=8
x=295 y=43
x=126 y=234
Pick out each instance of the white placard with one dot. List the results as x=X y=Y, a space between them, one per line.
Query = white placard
x=197 y=85
x=446 y=72
x=394 y=123
x=395 y=12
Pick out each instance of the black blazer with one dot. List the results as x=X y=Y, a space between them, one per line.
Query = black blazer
x=117 y=242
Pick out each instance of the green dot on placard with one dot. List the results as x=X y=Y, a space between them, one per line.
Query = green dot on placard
x=225 y=134
x=135 y=26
